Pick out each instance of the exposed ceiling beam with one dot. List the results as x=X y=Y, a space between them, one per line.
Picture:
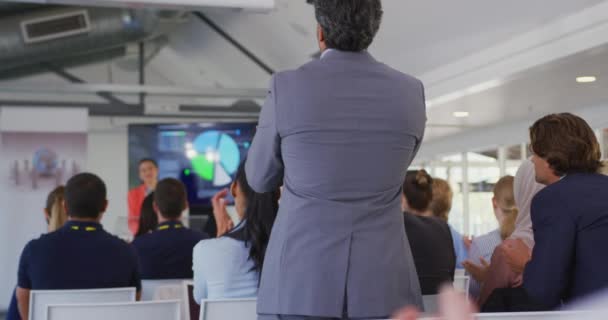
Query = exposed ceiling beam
x=254 y=5
x=95 y=109
x=135 y=90
x=215 y=27
x=74 y=79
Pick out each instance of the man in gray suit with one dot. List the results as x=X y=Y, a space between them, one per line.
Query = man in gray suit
x=339 y=134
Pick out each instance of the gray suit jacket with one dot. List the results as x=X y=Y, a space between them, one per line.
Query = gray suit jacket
x=339 y=134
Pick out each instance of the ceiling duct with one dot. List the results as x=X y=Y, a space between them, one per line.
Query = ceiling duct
x=11 y=8
x=55 y=34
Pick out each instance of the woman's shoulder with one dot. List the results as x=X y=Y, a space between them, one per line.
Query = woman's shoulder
x=485 y=244
x=218 y=245
x=491 y=236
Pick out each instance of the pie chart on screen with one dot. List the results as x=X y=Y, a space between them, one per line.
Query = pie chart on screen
x=215 y=157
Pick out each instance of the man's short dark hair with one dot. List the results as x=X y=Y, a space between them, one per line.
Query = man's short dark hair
x=567 y=143
x=348 y=25
x=144 y=160
x=85 y=196
x=170 y=198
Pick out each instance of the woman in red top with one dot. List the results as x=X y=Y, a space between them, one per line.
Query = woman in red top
x=148 y=174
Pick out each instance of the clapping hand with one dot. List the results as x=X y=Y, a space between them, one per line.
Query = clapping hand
x=452 y=306
x=222 y=219
x=478 y=272
x=517 y=253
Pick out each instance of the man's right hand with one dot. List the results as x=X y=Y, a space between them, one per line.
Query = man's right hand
x=222 y=219
x=517 y=253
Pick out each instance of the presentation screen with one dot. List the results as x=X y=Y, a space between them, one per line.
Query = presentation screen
x=205 y=156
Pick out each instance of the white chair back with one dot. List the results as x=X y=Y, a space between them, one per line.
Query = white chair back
x=462 y=283
x=551 y=315
x=242 y=309
x=150 y=310
x=149 y=287
x=39 y=299
x=459 y=272
x=431 y=304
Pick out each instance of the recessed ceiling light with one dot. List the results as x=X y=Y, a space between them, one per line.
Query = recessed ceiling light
x=460 y=114
x=586 y=79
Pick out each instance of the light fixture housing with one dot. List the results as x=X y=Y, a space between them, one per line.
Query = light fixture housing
x=586 y=79
x=461 y=114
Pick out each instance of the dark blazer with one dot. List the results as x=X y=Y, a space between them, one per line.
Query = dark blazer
x=570 y=222
x=167 y=252
x=431 y=242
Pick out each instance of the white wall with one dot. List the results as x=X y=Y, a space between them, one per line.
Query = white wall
x=21 y=215
x=108 y=158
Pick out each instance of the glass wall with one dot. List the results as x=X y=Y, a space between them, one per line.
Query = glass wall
x=484 y=172
x=472 y=176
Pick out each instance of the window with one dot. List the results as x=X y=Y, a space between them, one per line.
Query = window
x=450 y=168
x=515 y=155
x=483 y=174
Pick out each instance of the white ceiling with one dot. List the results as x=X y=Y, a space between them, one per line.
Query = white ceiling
x=547 y=88
x=415 y=37
x=418 y=36
x=452 y=45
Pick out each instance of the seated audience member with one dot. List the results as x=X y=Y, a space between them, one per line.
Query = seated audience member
x=79 y=255
x=483 y=246
x=429 y=237
x=500 y=274
x=441 y=206
x=55 y=216
x=148 y=221
x=230 y=266
x=570 y=216
x=166 y=253
x=54 y=212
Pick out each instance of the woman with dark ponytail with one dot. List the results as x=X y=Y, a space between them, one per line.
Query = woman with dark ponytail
x=429 y=237
x=230 y=265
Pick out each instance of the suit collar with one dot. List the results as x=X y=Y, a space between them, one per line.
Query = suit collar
x=333 y=54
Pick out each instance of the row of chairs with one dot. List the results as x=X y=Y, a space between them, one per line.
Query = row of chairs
x=120 y=304
x=100 y=304
x=47 y=303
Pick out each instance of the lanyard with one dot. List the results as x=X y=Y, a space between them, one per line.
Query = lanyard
x=88 y=229
x=165 y=227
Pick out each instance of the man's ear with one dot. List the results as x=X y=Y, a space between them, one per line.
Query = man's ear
x=320 y=34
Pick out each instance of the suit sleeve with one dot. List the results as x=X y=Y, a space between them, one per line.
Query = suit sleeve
x=264 y=167
x=546 y=276
x=419 y=139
